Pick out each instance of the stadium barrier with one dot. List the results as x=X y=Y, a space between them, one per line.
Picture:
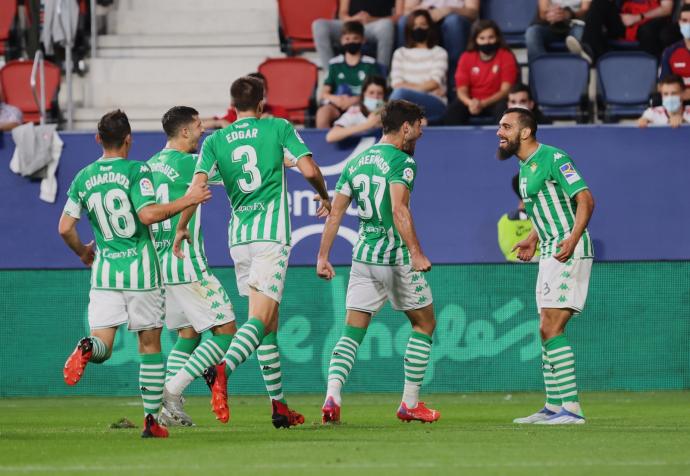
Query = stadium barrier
x=632 y=334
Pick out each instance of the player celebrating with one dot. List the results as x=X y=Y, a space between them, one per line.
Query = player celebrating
x=248 y=155
x=195 y=299
x=387 y=261
x=560 y=205
x=120 y=201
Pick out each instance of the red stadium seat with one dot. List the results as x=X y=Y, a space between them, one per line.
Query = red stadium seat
x=15 y=79
x=8 y=10
x=296 y=17
x=291 y=84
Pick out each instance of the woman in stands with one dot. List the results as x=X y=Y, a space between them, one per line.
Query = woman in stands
x=484 y=76
x=419 y=69
x=363 y=117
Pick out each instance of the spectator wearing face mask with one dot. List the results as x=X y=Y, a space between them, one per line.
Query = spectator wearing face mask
x=419 y=69
x=671 y=112
x=346 y=73
x=363 y=117
x=485 y=74
x=520 y=96
x=676 y=58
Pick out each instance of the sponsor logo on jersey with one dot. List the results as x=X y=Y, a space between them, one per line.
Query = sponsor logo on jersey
x=251 y=208
x=570 y=174
x=408 y=175
x=146 y=188
x=241 y=125
x=557 y=156
x=107 y=253
x=409 y=160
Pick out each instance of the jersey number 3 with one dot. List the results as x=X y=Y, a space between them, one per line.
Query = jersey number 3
x=247 y=154
x=362 y=183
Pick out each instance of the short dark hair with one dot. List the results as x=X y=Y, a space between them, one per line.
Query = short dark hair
x=176 y=118
x=377 y=80
x=258 y=75
x=673 y=79
x=352 y=27
x=398 y=112
x=432 y=39
x=685 y=7
x=526 y=118
x=246 y=93
x=481 y=25
x=113 y=129
x=520 y=88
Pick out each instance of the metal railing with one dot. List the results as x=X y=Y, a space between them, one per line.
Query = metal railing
x=67 y=30
x=40 y=99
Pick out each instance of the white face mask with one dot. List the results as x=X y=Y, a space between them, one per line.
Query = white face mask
x=372 y=104
x=685 y=30
x=672 y=103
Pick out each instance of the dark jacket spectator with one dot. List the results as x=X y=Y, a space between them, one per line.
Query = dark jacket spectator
x=556 y=19
x=485 y=73
x=676 y=58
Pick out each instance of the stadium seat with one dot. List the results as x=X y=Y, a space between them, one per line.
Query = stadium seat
x=296 y=17
x=559 y=82
x=626 y=79
x=512 y=16
x=15 y=79
x=8 y=12
x=291 y=84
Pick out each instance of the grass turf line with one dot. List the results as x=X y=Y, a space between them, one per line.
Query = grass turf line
x=626 y=434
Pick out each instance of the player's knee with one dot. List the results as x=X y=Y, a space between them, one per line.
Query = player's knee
x=547 y=329
x=229 y=328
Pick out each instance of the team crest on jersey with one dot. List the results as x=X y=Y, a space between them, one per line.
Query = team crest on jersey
x=408 y=175
x=570 y=174
x=146 y=188
x=533 y=167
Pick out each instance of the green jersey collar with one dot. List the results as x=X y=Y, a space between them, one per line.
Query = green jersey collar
x=110 y=159
x=245 y=119
x=523 y=164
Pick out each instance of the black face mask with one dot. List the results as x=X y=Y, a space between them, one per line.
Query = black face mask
x=488 y=49
x=419 y=35
x=352 y=48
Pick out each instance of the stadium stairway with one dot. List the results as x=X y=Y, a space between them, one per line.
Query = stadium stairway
x=161 y=53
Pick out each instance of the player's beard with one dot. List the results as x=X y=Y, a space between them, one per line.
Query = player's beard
x=408 y=147
x=510 y=149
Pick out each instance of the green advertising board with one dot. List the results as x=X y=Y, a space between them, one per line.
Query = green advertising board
x=632 y=335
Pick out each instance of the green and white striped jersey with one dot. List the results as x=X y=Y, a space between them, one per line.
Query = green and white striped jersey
x=549 y=182
x=367 y=178
x=248 y=155
x=112 y=191
x=172 y=173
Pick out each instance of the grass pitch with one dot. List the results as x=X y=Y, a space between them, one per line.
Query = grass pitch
x=626 y=434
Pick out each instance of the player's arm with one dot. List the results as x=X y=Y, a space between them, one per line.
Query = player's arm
x=312 y=173
x=341 y=202
x=68 y=231
x=402 y=217
x=527 y=247
x=158 y=212
x=585 y=208
x=200 y=180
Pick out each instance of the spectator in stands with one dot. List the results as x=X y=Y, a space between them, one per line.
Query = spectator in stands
x=365 y=116
x=10 y=116
x=346 y=73
x=556 y=20
x=419 y=69
x=514 y=226
x=636 y=20
x=671 y=33
x=671 y=112
x=676 y=58
x=453 y=17
x=485 y=74
x=218 y=122
x=520 y=96
x=377 y=17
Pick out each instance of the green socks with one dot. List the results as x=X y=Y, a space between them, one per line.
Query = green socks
x=151 y=380
x=269 y=362
x=207 y=354
x=553 y=398
x=417 y=357
x=562 y=360
x=342 y=360
x=246 y=341
x=179 y=355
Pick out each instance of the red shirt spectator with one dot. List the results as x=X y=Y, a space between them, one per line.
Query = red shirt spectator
x=676 y=60
x=484 y=78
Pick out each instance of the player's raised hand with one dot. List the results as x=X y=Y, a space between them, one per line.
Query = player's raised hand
x=567 y=248
x=199 y=193
x=324 y=270
x=88 y=254
x=525 y=249
x=180 y=236
x=421 y=263
x=324 y=206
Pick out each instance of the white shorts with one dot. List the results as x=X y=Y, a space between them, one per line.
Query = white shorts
x=140 y=310
x=372 y=285
x=563 y=285
x=202 y=305
x=261 y=266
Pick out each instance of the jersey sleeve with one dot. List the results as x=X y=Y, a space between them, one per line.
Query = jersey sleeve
x=214 y=177
x=294 y=147
x=404 y=173
x=73 y=204
x=343 y=185
x=566 y=175
x=142 y=192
